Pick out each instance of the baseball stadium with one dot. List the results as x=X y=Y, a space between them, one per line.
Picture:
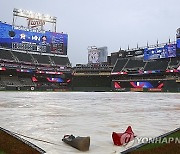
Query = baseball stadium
x=125 y=98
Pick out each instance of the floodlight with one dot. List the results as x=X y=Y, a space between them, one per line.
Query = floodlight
x=30 y=14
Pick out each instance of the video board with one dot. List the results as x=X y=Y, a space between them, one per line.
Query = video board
x=138 y=84
x=178 y=47
x=20 y=38
x=59 y=80
x=166 y=51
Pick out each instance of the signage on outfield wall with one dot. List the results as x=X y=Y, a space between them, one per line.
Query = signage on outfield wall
x=2 y=68
x=137 y=85
x=155 y=89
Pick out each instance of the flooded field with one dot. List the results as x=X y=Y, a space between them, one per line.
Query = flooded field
x=48 y=116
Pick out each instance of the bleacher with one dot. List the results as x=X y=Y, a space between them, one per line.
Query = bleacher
x=119 y=65
x=6 y=55
x=23 y=57
x=26 y=81
x=131 y=65
x=134 y=64
x=92 y=69
x=41 y=59
x=15 y=81
x=174 y=63
x=60 y=60
x=1 y=83
x=161 y=64
x=10 y=81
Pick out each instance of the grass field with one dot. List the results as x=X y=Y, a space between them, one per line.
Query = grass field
x=165 y=148
x=1 y=152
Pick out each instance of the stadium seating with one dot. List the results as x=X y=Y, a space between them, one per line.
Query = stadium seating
x=173 y=63
x=120 y=63
x=1 y=84
x=15 y=81
x=60 y=60
x=26 y=81
x=157 y=65
x=33 y=58
x=135 y=64
x=10 y=81
x=41 y=59
x=6 y=55
x=23 y=57
x=92 y=67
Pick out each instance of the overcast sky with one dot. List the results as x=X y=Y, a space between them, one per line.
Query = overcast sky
x=111 y=23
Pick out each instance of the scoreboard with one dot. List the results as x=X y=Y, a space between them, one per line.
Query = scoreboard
x=167 y=51
x=178 y=47
x=20 y=38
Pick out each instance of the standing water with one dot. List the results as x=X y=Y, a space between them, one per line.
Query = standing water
x=48 y=116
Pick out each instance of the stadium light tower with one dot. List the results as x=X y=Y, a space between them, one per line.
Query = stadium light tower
x=35 y=19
